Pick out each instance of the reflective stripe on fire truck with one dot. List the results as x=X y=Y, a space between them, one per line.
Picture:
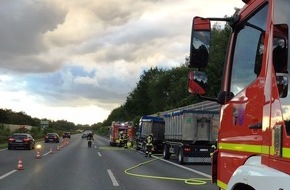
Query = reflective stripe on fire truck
x=240 y=147
x=221 y=184
x=253 y=149
x=286 y=152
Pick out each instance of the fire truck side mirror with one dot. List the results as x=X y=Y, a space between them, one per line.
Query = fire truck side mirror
x=200 y=43
x=197 y=82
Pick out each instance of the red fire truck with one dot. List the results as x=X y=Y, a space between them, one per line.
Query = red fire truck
x=254 y=131
x=119 y=129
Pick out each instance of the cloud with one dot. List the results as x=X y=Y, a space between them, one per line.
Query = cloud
x=65 y=58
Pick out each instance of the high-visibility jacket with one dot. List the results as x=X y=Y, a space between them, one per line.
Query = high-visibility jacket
x=149 y=140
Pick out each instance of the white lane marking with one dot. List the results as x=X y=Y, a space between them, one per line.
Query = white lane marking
x=7 y=174
x=183 y=167
x=3 y=149
x=113 y=179
x=100 y=155
x=46 y=153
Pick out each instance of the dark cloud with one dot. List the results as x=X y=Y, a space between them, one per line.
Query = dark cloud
x=23 y=24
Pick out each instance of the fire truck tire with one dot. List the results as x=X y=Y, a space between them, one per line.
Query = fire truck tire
x=180 y=156
x=166 y=154
x=243 y=187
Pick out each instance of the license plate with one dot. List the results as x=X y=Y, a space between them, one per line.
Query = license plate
x=203 y=150
x=18 y=140
x=50 y=139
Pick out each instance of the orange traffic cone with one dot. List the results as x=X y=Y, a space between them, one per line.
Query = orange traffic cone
x=20 y=165
x=37 y=155
x=51 y=152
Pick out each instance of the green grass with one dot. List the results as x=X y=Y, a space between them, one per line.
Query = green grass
x=2 y=146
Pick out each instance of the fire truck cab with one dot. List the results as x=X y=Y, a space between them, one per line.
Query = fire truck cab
x=254 y=131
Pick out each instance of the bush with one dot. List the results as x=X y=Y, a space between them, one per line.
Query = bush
x=37 y=132
x=103 y=131
x=4 y=134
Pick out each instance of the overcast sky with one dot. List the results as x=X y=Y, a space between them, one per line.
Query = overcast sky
x=77 y=60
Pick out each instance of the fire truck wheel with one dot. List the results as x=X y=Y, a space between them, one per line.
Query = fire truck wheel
x=180 y=156
x=166 y=154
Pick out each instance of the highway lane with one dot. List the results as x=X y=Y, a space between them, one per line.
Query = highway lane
x=9 y=158
x=76 y=166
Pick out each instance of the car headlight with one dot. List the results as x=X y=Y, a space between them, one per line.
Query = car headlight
x=38 y=146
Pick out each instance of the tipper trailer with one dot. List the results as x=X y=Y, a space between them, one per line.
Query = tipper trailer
x=191 y=135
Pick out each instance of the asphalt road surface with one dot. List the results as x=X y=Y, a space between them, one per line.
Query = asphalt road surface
x=71 y=165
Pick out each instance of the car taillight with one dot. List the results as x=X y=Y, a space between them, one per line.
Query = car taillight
x=187 y=149
x=26 y=140
x=11 y=139
x=55 y=137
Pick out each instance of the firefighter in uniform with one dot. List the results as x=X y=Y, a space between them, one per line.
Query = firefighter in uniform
x=149 y=145
x=123 y=139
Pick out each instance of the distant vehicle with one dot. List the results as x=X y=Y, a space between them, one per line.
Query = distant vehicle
x=21 y=140
x=51 y=137
x=84 y=135
x=66 y=135
x=121 y=128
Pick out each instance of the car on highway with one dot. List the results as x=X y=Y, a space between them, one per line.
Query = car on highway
x=66 y=135
x=21 y=140
x=51 y=137
x=84 y=135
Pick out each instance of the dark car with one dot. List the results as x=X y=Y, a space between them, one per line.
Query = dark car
x=51 y=137
x=21 y=140
x=66 y=135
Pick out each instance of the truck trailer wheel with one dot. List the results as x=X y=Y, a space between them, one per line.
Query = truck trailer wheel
x=180 y=156
x=166 y=154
